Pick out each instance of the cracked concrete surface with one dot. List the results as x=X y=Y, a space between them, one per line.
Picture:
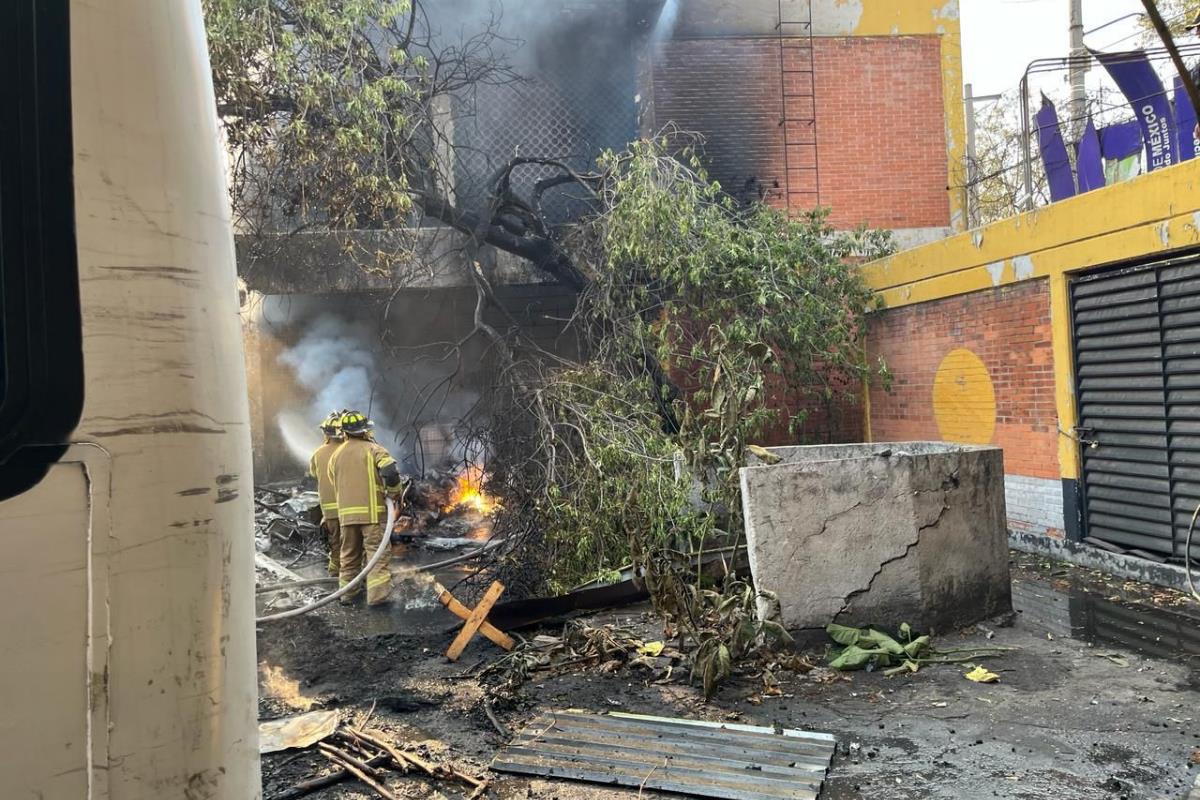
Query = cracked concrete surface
x=858 y=534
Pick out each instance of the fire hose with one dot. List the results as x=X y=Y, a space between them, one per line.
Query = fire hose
x=385 y=544
x=449 y=562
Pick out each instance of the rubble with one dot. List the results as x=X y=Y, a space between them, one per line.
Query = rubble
x=353 y=752
x=1062 y=719
x=287 y=525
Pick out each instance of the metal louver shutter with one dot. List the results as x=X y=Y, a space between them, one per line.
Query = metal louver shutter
x=1137 y=353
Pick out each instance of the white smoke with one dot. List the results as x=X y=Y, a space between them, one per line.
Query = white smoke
x=665 y=25
x=335 y=361
x=417 y=397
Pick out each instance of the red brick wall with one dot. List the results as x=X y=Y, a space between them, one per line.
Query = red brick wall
x=882 y=131
x=880 y=122
x=1009 y=330
x=825 y=420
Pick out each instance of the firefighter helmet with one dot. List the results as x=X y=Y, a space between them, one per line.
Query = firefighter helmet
x=354 y=422
x=332 y=424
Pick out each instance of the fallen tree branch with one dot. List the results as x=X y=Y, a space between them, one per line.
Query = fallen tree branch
x=432 y=770
x=337 y=775
x=491 y=715
x=356 y=768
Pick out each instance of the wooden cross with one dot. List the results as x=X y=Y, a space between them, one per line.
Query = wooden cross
x=476 y=619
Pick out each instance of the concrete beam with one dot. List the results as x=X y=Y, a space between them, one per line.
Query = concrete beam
x=358 y=261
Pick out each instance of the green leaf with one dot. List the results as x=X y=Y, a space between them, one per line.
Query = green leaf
x=844 y=635
x=852 y=657
x=907 y=666
x=885 y=643
x=744 y=635
x=717 y=667
x=917 y=646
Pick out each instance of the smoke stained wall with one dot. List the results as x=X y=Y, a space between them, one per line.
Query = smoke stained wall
x=394 y=360
x=576 y=98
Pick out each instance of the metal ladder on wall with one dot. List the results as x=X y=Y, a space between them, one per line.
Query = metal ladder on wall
x=798 y=109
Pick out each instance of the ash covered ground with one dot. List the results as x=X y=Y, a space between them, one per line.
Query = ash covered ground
x=1098 y=700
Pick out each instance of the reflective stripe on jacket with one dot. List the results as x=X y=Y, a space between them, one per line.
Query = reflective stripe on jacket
x=354 y=471
x=318 y=467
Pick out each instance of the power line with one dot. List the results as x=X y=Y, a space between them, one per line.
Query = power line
x=1170 y=21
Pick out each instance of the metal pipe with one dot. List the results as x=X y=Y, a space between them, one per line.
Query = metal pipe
x=449 y=562
x=1112 y=22
x=1026 y=141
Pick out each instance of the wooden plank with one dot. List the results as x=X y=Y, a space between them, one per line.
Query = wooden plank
x=478 y=614
x=489 y=630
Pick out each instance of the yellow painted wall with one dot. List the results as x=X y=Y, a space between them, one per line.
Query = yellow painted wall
x=1150 y=216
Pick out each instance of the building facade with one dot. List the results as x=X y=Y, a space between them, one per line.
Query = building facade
x=1070 y=337
x=856 y=106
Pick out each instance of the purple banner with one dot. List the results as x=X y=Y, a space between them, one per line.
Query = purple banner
x=1135 y=76
x=1185 y=121
x=1059 y=175
x=1121 y=140
x=1088 y=161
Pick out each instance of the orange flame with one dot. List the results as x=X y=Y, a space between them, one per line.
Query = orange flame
x=276 y=684
x=468 y=493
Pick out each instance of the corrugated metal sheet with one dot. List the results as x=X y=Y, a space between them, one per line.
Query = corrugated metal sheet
x=705 y=759
x=1137 y=353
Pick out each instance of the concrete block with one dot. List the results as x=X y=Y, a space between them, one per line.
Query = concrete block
x=880 y=533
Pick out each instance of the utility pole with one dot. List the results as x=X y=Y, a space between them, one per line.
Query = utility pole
x=1078 y=73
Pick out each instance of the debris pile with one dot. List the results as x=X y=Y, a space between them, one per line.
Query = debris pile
x=451 y=503
x=607 y=648
x=354 y=753
x=287 y=525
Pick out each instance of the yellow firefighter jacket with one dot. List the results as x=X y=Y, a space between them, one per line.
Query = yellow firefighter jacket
x=318 y=467
x=354 y=472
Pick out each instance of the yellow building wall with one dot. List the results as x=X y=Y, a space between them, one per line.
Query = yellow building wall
x=1150 y=216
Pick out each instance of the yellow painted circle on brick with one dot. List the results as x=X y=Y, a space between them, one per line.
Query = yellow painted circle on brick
x=964 y=400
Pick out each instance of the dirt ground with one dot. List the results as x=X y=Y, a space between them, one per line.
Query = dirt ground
x=1098 y=700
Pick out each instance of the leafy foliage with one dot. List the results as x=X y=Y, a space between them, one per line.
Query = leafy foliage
x=701 y=320
x=729 y=629
x=871 y=648
x=330 y=108
x=1178 y=14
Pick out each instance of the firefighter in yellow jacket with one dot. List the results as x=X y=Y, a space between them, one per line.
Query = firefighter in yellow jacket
x=318 y=467
x=362 y=472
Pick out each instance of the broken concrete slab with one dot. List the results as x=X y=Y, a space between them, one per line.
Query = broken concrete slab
x=880 y=533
